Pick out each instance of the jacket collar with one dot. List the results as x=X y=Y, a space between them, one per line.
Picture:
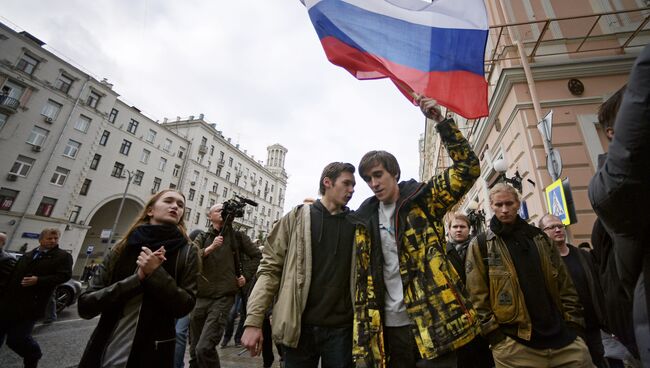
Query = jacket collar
x=369 y=207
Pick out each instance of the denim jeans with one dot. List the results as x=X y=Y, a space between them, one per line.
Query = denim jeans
x=182 y=328
x=239 y=308
x=50 y=308
x=331 y=345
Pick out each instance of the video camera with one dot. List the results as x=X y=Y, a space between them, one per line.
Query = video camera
x=235 y=207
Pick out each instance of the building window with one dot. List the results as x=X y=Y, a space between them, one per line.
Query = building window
x=162 y=164
x=228 y=176
x=22 y=165
x=71 y=149
x=201 y=198
x=195 y=176
x=181 y=152
x=172 y=186
x=168 y=145
x=3 y=120
x=93 y=99
x=236 y=180
x=144 y=157
x=126 y=147
x=63 y=83
x=137 y=179
x=7 y=198
x=188 y=212
x=104 y=139
x=225 y=193
x=132 y=127
x=95 y=162
x=51 y=110
x=74 y=215
x=82 y=124
x=215 y=187
x=85 y=186
x=211 y=149
x=229 y=161
x=218 y=171
x=112 y=116
x=59 y=176
x=46 y=207
x=117 y=169
x=176 y=170
x=151 y=136
x=27 y=64
x=190 y=196
x=156 y=184
x=197 y=217
x=221 y=155
x=37 y=136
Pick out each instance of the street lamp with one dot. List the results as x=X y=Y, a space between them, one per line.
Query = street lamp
x=501 y=166
x=130 y=174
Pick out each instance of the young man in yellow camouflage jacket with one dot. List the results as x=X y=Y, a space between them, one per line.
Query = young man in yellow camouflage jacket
x=411 y=307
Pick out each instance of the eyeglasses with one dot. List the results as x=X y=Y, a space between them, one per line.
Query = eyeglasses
x=553 y=227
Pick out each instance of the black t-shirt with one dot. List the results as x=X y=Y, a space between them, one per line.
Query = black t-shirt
x=579 y=278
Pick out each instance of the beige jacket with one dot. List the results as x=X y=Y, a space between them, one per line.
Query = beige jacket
x=285 y=271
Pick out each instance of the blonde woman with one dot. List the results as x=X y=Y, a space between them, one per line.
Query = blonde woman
x=146 y=282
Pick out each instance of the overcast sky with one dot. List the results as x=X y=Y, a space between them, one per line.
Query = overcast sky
x=255 y=68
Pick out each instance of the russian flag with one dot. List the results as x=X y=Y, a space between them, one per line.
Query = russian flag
x=433 y=49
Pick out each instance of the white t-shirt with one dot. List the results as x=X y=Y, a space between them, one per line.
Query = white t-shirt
x=394 y=307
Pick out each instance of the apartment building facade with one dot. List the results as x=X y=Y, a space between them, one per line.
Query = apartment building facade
x=544 y=56
x=74 y=155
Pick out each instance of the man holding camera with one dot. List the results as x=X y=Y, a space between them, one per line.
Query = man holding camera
x=218 y=282
x=306 y=266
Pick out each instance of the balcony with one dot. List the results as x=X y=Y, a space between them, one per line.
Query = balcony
x=220 y=163
x=8 y=104
x=203 y=149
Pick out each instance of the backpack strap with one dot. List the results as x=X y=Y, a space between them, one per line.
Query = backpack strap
x=481 y=238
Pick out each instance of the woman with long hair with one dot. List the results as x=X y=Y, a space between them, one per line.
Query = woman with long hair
x=146 y=282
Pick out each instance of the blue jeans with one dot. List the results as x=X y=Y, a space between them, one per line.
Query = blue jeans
x=331 y=345
x=20 y=340
x=50 y=308
x=182 y=328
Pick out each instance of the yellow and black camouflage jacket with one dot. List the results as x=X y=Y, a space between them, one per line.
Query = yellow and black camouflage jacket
x=437 y=303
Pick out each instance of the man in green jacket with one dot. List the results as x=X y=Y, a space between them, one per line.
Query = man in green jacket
x=306 y=263
x=529 y=309
x=218 y=284
x=411 y=307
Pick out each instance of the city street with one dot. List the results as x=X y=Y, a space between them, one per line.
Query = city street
x=63 y=341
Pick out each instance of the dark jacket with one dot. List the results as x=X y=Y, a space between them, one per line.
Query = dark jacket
x=434 y=295
x=28 y=303
x=7 y=264
x=619 y=191
x=167 y=294
x=218 y=271
x=593 y=282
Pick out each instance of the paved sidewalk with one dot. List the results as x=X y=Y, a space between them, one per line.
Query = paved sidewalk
x=234 y=357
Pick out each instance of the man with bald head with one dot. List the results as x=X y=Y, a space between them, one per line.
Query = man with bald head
x=219 y=281
x=579 y=263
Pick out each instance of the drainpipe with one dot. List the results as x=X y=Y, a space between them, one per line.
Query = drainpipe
x=40 y=176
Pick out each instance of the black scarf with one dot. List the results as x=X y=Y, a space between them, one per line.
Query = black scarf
x=153 y=237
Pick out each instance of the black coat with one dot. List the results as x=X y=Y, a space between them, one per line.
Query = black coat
x=168 y=293
x=28 y=303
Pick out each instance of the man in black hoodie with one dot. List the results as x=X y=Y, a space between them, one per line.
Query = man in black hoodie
x=309 y=253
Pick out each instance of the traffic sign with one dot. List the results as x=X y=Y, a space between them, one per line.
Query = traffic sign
x=90 y=249
x=556 y=201
x=554 y=163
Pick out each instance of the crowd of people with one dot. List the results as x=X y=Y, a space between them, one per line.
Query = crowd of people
x=399 y=282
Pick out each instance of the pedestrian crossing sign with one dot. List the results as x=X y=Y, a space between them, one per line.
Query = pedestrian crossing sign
x=557 y=201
